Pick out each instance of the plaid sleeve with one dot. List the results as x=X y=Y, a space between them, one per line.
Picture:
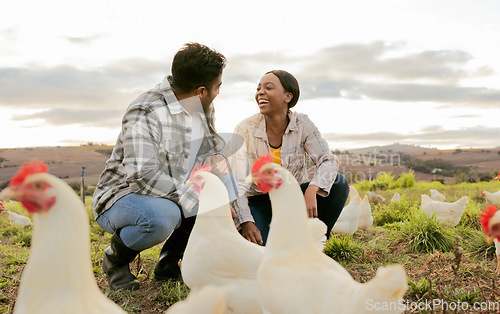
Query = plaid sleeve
x=240 y=168
x=141 y=154
x=326 y=162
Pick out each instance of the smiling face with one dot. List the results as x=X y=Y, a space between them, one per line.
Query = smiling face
x=271 y=97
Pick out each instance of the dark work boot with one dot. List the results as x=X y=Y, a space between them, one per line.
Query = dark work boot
x=172 y=251
x=116 y=265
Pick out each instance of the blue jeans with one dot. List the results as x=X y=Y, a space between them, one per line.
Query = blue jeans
x=146 y=221
x=329 y=208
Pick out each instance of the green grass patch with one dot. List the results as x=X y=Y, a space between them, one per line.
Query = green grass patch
x=342 y=248
x=423 y=235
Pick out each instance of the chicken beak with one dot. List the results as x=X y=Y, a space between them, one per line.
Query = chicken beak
x=9 y=194
x=489 y=239
x=188 y=182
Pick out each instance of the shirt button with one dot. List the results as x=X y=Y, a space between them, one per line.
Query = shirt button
x=186 y=155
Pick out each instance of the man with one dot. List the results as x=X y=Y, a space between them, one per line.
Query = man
x=141 y=197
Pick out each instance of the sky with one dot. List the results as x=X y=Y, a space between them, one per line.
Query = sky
x=371 y=72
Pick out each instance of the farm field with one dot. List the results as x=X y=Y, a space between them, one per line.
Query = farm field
x=454 y=266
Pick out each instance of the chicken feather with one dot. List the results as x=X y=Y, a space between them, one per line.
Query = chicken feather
x=292 y=269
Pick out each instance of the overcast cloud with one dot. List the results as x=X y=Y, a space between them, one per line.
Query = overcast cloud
x=433 y=135
x=378 y=71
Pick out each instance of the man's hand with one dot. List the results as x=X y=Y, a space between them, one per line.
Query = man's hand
x=251 y=232
x=218 y=165
x=311 y=202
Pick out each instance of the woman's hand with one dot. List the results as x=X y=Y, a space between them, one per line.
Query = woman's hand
x=311 y=203
x=250 y=232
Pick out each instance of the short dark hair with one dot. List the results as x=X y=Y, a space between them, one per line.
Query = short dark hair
x=290 y=84
x=196 y=65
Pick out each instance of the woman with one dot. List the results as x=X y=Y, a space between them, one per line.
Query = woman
x=289 y=137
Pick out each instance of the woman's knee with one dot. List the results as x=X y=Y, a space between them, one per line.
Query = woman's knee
x=341 y=186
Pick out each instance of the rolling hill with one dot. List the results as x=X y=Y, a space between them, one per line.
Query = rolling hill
x=64 y=162
x=67 y=162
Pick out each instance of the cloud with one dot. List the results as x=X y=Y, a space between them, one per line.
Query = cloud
x=470 y=96
x=377 y=70
x=114 y=86
x=432 y=135
x=381 y=71
x=385 y=60
x=61 y=116
x=87 y=40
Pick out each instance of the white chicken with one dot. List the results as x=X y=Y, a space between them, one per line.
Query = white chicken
x=396 y=198
x=375 y=198
x=365 y=216
x=207 y=300
x=58 y=276
x=437 y=196
x=216 y=253
x=491 y=198
x=497 y=253
x=449 y=214
x=294 y=277
x=16 y=219
x=348 y=220
x=490 y=220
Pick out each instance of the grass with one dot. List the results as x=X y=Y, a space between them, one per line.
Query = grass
x=422 y=234
x=450 y=264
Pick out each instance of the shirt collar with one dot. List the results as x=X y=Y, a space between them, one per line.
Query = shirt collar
x=292 y=125
x=260 y=131
x=172 y=102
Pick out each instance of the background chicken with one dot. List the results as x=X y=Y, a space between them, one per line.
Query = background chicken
x=294 y=277
x=348 y=221
x=216 y=253
x=376 y=198
x=491 y=198
x=58 y=276
x=437 y=196
x=396 y=197
x=448 y=214
x=16 y=219
x=365 y=216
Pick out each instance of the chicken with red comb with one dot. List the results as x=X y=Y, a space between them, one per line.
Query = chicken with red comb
x=32 y=167
x=265 y=180
x=292 y=263
x=216 y=253
x=35 y=196
x=490 y=220
x=58 y=277
x=195 y=179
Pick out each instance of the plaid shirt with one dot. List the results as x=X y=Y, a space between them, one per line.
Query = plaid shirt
x=301 y=137
x=152 y=152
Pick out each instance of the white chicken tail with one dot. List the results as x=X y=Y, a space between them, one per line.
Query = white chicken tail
x=389 y=284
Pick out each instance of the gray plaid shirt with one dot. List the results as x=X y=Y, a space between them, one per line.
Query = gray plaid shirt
x=151 y=153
